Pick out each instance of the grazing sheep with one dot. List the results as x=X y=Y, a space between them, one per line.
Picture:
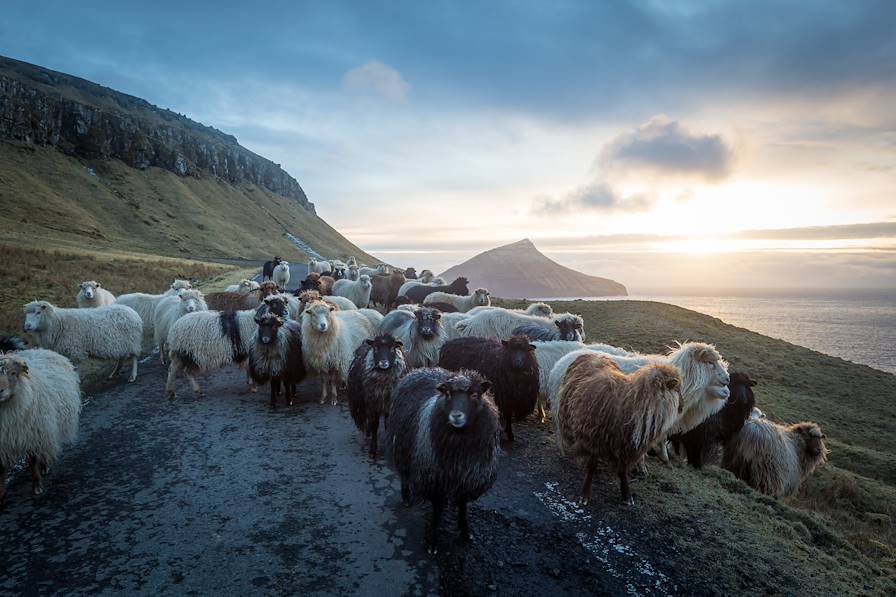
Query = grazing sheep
x=353 y=273
x=410 y=273
x=385 y=289
x=775 y=459
x=244 y=287
x=11 y=344
x=231 y=302
x=40 y=403
x=204 y=341
x=419 y=331
x=329 y=339
x=267 y=270
x=377 y=367
x=509 y=365
x=91 y=294
x=170 y=309
x=275 y=355
x=604 y=415
x=702 y=442
x=418 y=293
x=357 y=292
x=500 y=323
x=281 y=274
x=569 y=327
x=110 y=332
x=426 y=276
x=461 y=304
x=441 y=437
x=145 y=304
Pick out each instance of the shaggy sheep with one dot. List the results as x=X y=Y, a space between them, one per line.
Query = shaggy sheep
x=281 y=274
x=604 y=415
x=547 y=353
x=426 y=276
x=775 y=459
x=110 y=332
x=509 y=365
x=410 y=273
x=205 y=341
x=267 y=270
x=92 y=294
x=317 y=266
x=385 y=289
x=419 y=331
x=357 y=292
x=275 y=355
x=500 y=323
x=307 y=296
x=569 y=327
x=231 y=302
x=353 y=273
x=329 y=339
x=461 y=304
x=40 y=403
x=170 y=309
x=701 y=442
x=145 y=304
x=534 y=309
x=418 y=293
x=282 y=305
x=441 y=437
x=11 y=344
x=449 y=323
x=244 y=287
x=377 y=367
x=380 y=270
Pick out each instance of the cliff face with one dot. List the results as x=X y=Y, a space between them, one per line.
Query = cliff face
x=86 y=120
x=519 y=270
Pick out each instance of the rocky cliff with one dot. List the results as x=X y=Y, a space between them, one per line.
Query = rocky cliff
x=85 y=120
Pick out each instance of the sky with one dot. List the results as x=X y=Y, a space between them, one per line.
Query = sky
x=667 y=145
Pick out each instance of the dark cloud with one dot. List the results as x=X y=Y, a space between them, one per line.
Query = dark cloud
x=596 y=196
x=667 y=147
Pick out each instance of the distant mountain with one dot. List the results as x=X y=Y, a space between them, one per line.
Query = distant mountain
x=519 y=270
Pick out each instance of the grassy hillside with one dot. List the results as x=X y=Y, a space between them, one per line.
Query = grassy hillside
x=844 y=514
x=52 y=200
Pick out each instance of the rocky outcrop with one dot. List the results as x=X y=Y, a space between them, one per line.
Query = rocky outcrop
x=86 y=120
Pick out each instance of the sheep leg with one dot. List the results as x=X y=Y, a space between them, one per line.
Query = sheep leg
x=2 y=484
x=115 y=369
x=133 y=376
x=438 y=506
x=463 y=523
x=586 y=485
x=162 y=352
x=405 y=492
x=542 y=414
x=275 y=389
x=172 y=377
x=334 y=389
x=508 y=425
x=291 y=393
x=37 y=486
x=373 y=427
x=624 y=487
x=324 y=380
x=664 y=452
x=194 y=384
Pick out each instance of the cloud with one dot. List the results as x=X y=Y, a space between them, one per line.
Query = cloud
x=667 y=147
x=377 y=78
x=595 y=196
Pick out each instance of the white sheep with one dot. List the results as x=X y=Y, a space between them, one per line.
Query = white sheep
x=318 y=266
x=110 y=332
x=425 y=276
x=145 y=304
x=205 y=341
x=449 y=325
x=40 y=404
x=92 y=294
x=353 y=273
x=281 y=274
x=382 y=269
x=372 y=315
x=171 y=308
x=534 y=309
x=357 y=292
x=244 y=287
x=500 y=323
x=329 y=340
x=478 y=298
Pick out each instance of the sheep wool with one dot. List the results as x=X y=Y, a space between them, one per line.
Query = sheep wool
x=91 y=294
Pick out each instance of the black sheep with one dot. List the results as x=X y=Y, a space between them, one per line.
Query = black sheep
x=267 y=271
x=443 y=307
x=701 y=442
x=458 y=287
x=442 y=438
x=11 y=343
x=410 y=273
x=509 y=364
x=275 y=355
x=378 y=365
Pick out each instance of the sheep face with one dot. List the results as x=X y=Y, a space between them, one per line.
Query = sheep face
x=481 y=298
x=428 y=322
x=364 y=282
x=540 y=310
x=353 y=273
x=266 y=289
x=179 y=285
x=384 y=351
x=320 y=316
x=12 y=369
x=570 y=329
x=518 y=352
x=35 y=316
x=189 y=301
x=462 y=400
x=268 y=328
x=89 y=289
x=741 y=404
x=813 y=440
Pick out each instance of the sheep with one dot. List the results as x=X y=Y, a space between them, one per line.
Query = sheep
x=351 y=261
x=419 y=293
x=170 y=309
x=275 y=355
x=282 y=305
x=701 y=442
x=426 y=276
x=380 y=270
x=605 y=415
x=340 y=302
x=509 y=365
x=92 y=294
x=353 y=273
x=500 y=323
x=420 y=332
x=402 y=292
x=145 y=304
x=547 y=353
x=384 y=289
x=40 y=404
x=462 y=304
x=11 y=344
x=442 y=439
x=267 y=270
x=410 y=273
x=317 y=266
x=231 y=302
x=244 y=287
x=281 y=274
x=357 y=292
x=205 y=341
x=340 y=272
x=535 y=309
x=378 y=365
x=373 y=316
x=441 y=307
x=110 y=332
x=449 y=325
x=569 y=327
x=775 y=459
x=329 y=339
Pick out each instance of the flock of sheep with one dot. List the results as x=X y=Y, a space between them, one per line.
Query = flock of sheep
x=446 y=370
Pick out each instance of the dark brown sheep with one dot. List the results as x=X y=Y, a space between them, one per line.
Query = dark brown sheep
x=231 y=302
x=385 y=289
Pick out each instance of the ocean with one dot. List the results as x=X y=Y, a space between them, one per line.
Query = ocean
x=861 y=329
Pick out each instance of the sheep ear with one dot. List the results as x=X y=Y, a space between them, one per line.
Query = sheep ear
x=23 y=370
x=98 y=285
x=332 y=308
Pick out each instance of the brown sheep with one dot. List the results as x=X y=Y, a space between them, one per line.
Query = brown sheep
x=385 y=289
x=231 y=302
x=604 y=415
x=309 y=296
